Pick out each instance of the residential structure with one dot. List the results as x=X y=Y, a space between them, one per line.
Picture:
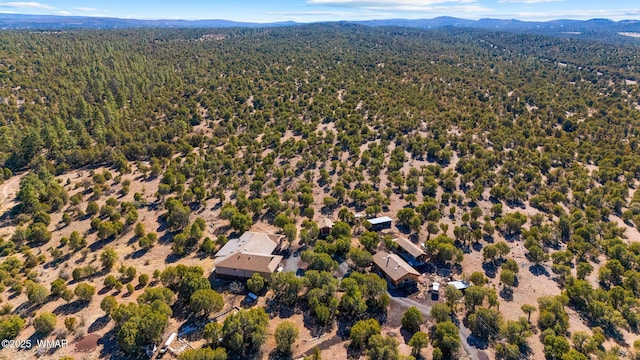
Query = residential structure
x=413 y=253
x=380 y=223
x=251 y=242
x=243 y=266
x=325 y=226
x=251 y=253
x=395 y=270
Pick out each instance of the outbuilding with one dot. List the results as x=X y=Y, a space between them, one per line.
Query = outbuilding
x=410 y=251
x=459 y=284
x=380 y=223
x=325 y=226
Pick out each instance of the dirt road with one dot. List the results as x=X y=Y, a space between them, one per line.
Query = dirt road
x=8 y=191
x=472 y=352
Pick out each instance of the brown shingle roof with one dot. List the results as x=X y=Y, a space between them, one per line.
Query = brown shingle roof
x=393 y=265
x=251 y=242
x=251 y=262
x=407 y=245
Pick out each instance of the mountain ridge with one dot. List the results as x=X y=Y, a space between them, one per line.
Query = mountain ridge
x=49 y=22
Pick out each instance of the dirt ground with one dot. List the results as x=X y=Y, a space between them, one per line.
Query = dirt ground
x=90 y=316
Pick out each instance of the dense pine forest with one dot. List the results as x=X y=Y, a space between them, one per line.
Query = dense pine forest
x=128 y=158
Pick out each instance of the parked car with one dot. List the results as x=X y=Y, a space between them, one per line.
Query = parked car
x=435 y=287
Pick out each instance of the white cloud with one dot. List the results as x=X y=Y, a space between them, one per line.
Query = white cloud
x=526 y=1
x=408 y=6
x=26 y=5
x=341 y=14
x=320 y=15
x=384 y=3
x=618 y=14
x=86 y=9
x=63 y=13
x=433 y=9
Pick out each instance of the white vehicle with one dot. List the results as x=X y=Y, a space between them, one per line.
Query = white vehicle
x=168 y=343
x=435 y=287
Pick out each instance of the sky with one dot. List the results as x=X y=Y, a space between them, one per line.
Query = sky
x=330 y=10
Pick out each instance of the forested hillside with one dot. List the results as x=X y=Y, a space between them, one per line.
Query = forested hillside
x=129 y=157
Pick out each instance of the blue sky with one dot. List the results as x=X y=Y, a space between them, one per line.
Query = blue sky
x=329 y=10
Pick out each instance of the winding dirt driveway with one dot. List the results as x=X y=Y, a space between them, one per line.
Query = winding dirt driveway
x=8 y=191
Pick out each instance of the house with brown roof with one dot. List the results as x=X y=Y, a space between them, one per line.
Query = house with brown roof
x=325 y=226
x=413 y=253
x=243 y=265
x=249 y=254
x=395 y=270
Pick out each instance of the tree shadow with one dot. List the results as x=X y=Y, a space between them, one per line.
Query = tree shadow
x=247 y=355
x=278 y=355
x=406 y=335
x=512 y=237
x=354 y=352
x=506 y=293
x=538 y=270
x=477 y=342
x=110 y=348
x=172 y=258
x=7 y=218
x=315 y=329
x=490 y=269
x=99 y=324
x=138 y=253
x=34 y=340
x=101 y=243
x=70 y=308
x=167 y=236
x=283 y=311
x=104 y=290
x=476 y=246
x=60 y=260
x=134 y=239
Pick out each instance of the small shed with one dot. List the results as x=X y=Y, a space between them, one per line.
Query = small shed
x=325 y=226
x=413 y=253
x=459 y=284
x=380 y=223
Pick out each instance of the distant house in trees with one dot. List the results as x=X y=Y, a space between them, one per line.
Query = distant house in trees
x=413 y=253
x=395 y=270
x=325 y=226
x=380 y=223
x=251 y=253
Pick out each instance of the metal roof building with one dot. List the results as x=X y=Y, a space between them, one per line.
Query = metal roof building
x=379 y=220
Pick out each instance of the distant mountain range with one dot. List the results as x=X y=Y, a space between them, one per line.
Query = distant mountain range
x=563 y=25
x=51 y=22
